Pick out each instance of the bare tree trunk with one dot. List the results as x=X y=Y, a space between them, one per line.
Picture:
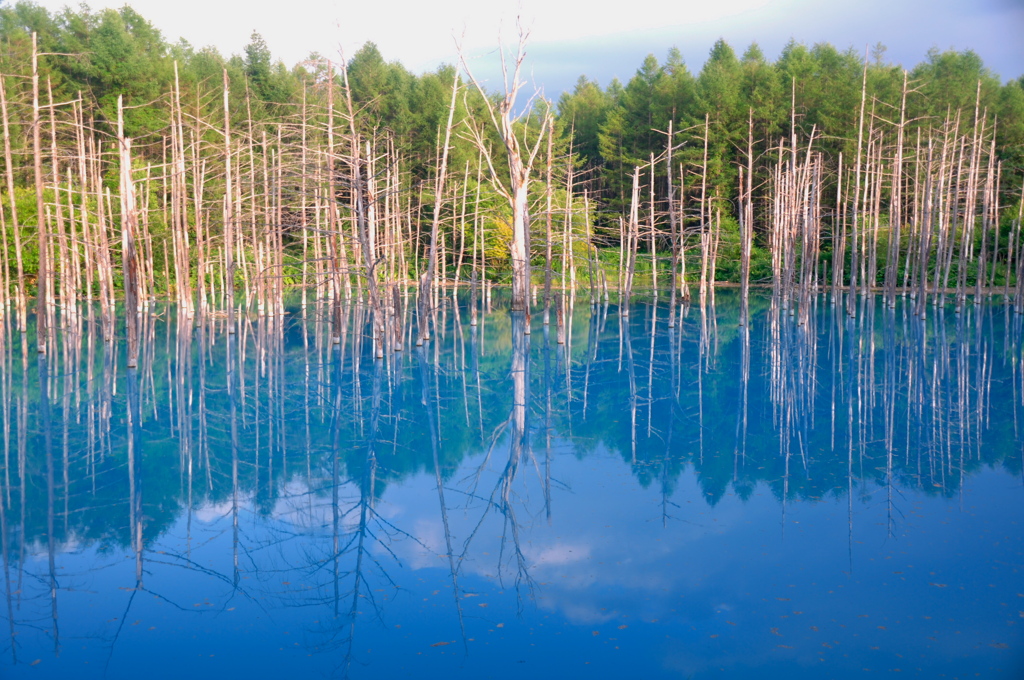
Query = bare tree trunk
x=427 y=277
x=673 y=228
x=229 y=218
x=42 y=284
x=746 y=223
x=896 y=205
x=15 y=224
x=361 y=196
x=462 y=226
x=520 y=166
x=632 y=236
x=1012 y=247
x=129 y=229
x=591 y=254
x=568 y=249
x=520 y=246
x=1018 y=293
x=851 y=302
x=548 y=189
x=705 y=214
x=988 y=199
x=653 y=233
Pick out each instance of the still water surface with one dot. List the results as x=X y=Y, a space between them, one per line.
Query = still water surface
x=838 y=498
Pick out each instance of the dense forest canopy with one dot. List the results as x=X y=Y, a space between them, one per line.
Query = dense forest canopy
x=606 y=164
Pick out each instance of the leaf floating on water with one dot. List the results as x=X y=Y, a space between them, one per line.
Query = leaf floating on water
x=35 y=662
x=500 y=625
x=624 y=626
x=775 y=631
x=440 y=644
x=938 y=585
x=999 y=645
x=782 y=599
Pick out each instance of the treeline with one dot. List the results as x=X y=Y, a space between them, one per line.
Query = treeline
x=805 y=89
x=820 y=168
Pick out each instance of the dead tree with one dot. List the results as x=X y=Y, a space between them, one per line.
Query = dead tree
x=42 y=301
x=520 y=157
x=427 y=277
x=129 y=231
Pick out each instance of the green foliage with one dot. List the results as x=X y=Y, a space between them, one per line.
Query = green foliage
x=602 y=133
x=380 y=91
x=271 y=83
x=582 y=112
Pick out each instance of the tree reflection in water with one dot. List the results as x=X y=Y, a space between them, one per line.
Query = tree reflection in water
x=273 y=469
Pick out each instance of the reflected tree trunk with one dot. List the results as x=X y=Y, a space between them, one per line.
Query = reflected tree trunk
x=51 y=539
x=435 y=446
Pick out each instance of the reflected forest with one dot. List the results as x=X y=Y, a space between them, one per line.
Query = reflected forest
x=291 y=440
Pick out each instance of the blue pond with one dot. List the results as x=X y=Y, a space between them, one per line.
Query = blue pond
x=810 y=496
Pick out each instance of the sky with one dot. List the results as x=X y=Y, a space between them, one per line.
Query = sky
x=569 y=38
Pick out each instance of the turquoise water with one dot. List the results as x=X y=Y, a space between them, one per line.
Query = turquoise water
x=812 y=496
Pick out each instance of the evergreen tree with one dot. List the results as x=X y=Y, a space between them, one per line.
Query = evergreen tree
x=629 y=135
x=719 y=96
x=584 y=111
x=380 y=90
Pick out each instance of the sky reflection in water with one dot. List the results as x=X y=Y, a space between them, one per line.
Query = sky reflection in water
x=834 y=499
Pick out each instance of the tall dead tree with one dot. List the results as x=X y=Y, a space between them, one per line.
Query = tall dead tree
x=42 y=301
x=851 y=303
x=746 y=222
x=129 y=230
x=427 y=277
x=9 y=167
x=520 y=156
x=229 y=235
x=362 y=202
